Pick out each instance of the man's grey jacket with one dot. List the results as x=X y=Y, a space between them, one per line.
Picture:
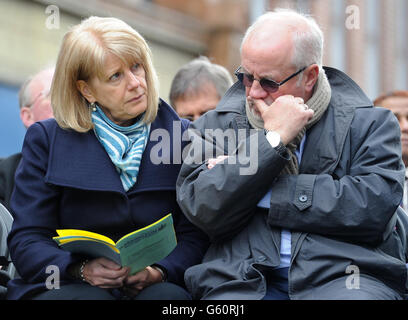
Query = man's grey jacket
x=341 y=208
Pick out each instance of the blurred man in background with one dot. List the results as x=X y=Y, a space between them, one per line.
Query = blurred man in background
x=397 y=102
x=198 y=87
x=35 y=105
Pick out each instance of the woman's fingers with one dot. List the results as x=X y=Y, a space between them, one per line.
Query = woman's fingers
x=104 y=273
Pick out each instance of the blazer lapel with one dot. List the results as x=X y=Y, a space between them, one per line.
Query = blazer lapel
x=161 y=160
x=78 y=160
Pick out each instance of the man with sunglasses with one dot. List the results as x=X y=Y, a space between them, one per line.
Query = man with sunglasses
x=35 y=105
x=318 y=219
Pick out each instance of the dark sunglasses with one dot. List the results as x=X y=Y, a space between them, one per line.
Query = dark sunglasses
x=268 y=85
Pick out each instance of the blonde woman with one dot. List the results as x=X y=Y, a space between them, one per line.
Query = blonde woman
x=91 y=169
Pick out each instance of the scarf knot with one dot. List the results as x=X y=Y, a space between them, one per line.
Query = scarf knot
x=124 y=145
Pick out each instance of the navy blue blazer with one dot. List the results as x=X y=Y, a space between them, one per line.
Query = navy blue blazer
x=67 y=180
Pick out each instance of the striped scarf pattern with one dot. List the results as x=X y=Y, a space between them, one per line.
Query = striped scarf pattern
x=124 y=145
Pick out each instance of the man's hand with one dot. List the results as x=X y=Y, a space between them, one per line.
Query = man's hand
x=287 y=115
x=213 y=161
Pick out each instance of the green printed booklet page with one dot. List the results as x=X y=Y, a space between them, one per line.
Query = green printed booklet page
x=137 y=250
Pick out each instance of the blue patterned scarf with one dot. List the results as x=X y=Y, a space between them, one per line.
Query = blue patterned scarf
x=124 y=145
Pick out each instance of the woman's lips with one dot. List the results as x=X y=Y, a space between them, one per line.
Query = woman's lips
x=136 y=98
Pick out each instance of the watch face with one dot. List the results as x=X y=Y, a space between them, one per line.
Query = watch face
x=273 y=138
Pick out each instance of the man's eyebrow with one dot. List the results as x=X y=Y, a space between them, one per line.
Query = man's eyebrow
x=268 y=77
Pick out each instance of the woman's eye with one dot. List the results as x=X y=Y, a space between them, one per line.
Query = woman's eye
x=115 y=76
x=135 y=66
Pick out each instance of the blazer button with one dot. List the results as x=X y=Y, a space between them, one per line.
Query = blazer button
x=303 y=198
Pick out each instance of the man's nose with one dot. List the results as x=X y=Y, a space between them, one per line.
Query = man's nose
x=256 y=91
x=404 y=123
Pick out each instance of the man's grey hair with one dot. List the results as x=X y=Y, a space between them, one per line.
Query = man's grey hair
x=191 y=78
x=24 y=94
x=308 y=42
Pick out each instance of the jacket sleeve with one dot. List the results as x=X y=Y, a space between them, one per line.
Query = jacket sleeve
x=359 y=205
x=192 y=244
x=222 y=200
x=34 y=205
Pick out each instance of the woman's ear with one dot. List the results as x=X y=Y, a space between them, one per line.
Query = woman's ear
x=85 y=90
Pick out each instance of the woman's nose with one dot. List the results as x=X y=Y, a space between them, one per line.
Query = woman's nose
x=132 y=79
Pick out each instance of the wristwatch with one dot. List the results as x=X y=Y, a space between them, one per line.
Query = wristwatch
x=274 y=139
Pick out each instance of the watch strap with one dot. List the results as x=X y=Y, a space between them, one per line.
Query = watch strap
x=280 y=148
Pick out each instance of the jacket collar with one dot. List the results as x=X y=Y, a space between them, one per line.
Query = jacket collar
x=233 y=100
x=345 y=92
x=78 y=160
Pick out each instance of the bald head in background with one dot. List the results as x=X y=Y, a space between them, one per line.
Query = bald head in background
x=34 y=98
x=35 y=105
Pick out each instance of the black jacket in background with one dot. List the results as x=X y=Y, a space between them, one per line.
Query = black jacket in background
x=8 y=168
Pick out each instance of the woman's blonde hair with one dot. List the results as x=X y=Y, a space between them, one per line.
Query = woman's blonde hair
x=81 y=57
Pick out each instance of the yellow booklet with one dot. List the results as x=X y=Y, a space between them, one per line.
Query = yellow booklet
x=137 y=250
